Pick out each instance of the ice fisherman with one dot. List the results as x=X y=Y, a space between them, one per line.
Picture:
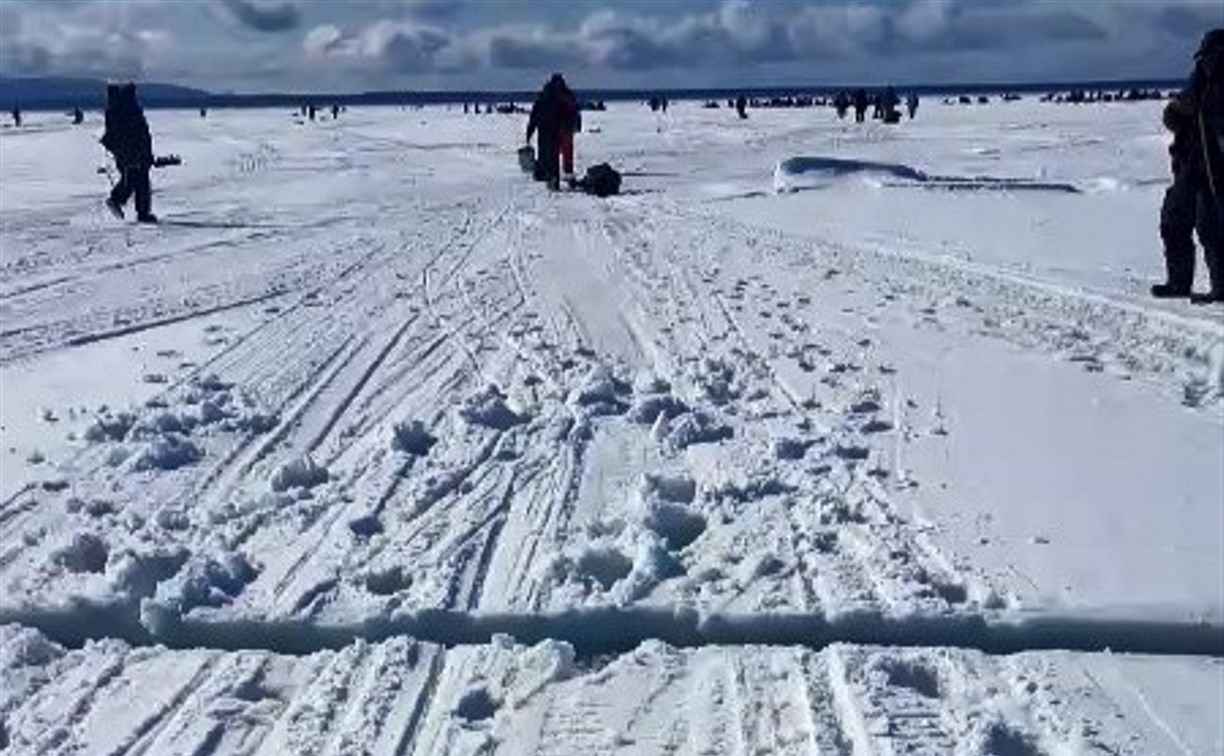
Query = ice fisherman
x=554 y=119
x=842 y=104
x=127 y=138
x=1195 y=199
x=861 y=101
x=911 y=104
x=741 y=106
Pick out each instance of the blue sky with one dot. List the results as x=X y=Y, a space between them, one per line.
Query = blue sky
x=356 y=45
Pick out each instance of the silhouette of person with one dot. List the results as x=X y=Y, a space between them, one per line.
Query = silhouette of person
x=1195 y=199
x=554 y=118
x=861 y=101
x=127 y=138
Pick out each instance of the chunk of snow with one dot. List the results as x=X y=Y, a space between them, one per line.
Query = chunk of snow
x=168 y=451
x=300 y=472
x=86 y=552
x=488 y=408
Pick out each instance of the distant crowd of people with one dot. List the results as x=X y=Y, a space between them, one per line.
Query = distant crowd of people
x=1193 y=203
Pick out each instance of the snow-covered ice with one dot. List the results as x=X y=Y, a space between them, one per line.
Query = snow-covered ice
x=855 y=440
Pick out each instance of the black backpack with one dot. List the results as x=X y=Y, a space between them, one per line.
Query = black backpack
x=601 y=180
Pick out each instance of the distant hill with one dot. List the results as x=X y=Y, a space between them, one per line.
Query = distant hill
x=61 y=92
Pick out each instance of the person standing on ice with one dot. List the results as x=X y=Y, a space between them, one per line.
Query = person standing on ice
x=861 y=101
x=1195 y=200
x=911 y=104
x=555 y=119
x=127 y=138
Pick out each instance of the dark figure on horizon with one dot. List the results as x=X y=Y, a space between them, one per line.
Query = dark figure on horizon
x=1195 y=200
x=554 y=118
x=127 y=138
x=203 y=112
x=335 y=110
x=77 y=117
x=888 y=104
x=911 y=104
x=861 y=101
x=312 y=112
x=741 y=106
x=17 y=116
x=842 y=102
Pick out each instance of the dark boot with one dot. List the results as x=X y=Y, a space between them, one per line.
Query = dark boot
x=1177 y=221
x=143 y=190
x=1210 y=225
x=1170 y=291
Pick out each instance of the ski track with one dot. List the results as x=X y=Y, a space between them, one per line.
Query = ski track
x=505 y=411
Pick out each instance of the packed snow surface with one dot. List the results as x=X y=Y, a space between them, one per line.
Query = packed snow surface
x=821 y=438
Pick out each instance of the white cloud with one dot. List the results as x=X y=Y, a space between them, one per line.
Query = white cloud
x=323 y=40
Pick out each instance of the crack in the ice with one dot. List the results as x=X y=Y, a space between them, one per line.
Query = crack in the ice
x=611 y=630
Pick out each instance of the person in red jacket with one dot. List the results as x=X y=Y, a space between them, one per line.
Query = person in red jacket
x=554 y=118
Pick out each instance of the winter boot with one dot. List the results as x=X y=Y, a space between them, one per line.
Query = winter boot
x=1170 y=291
x=115 y=209
x=148 y=218
x=1208 y=297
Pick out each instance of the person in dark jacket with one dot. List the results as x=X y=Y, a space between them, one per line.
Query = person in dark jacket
x=127 y=138
x=555 y=119
x=1195 y=199
x=842 y=103
x=861 y=101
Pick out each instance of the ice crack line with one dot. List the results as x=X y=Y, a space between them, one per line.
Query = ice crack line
x=601 y=631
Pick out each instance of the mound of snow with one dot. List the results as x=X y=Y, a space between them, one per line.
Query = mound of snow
x=301 y=472
x=137 y=574
x=648 y=408
x=110 y=427
x=168 y=451
x=600 y=564
x=676 y=524
x=204 y=581
x=546 y=662
x=652 y=564
x=600 y=389
x=488 y=408
x=696 y=428
x=26 y=647
x=794 y=174
x=86 y=552
x=680 y=489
